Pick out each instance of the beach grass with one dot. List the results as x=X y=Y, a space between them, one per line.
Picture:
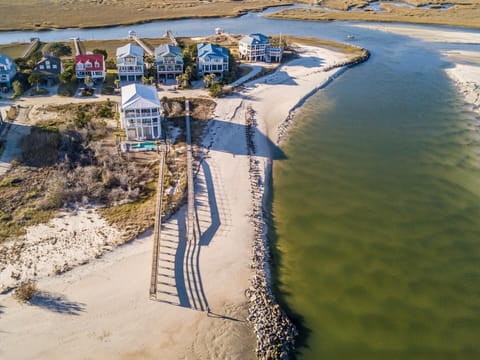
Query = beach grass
x=51 y=14
x=14 y=50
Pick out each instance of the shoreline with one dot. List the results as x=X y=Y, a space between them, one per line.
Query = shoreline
x=117 y=282
x=274 y=330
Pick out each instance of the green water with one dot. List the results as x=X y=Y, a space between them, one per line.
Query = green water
x=377 y=216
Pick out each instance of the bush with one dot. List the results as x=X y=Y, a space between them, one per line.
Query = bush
x=87 y=91
x=108 y=90
x=58 y=49
x=40 y=91
x=215 y=89
x=40 y=147
x=26 y=291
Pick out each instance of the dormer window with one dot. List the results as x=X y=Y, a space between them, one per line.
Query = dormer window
x=88 y=64
x=97 y=64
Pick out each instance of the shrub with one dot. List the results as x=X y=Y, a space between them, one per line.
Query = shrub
x=17 y=88
x=26 y=291
x=215 y=89
x=59 y=49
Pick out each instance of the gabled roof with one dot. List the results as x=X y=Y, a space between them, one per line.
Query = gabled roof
x=164 y=50
x=92 y=58
x=255 y=39
x=211 y=50
x=6 y=60
x=136 y=96
x=130 y=49
x=53 y=60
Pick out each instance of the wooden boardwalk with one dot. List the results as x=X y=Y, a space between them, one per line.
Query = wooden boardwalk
x=76 y=45
x=142 y=44
x=34 y=42
x=157 y=228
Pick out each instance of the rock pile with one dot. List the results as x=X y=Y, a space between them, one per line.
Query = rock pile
x=274 y=331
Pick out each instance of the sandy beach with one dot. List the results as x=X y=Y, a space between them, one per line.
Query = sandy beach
x=102 y=309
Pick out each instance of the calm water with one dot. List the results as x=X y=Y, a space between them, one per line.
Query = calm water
x=377 y=214
x=377 y=209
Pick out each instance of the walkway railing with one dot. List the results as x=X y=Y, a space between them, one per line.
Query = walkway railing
x=157 y=228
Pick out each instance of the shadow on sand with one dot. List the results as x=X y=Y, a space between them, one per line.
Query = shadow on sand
x=57 y=303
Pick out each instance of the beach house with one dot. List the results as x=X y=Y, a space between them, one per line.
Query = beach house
x=8 y=69
x=141 y=112
x=257 y=47
x=50 y=67
x=92 y=65
x=254 y=47
x=130 y=63
x=212 y=59
x=168 y=61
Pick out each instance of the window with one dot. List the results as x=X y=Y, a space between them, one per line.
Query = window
x=41 y=67
x=97 y=64
x=54 y=66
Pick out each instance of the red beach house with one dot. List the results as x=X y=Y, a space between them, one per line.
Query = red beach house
x=92 y=65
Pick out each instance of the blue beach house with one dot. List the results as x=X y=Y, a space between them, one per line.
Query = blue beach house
x=8 y=69
x=212 y=59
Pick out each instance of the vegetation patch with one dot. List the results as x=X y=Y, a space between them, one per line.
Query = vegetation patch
x=74 y=159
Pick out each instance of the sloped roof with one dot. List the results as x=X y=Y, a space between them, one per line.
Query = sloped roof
x=164 y=50
x=255 y=39
x=50 y=70
x=130 y=49
x=136 y=96
x=211 y=50
x=92 y=58
x=6 y=60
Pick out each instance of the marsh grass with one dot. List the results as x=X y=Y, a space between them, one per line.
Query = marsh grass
x=51 y=14
x=466 y=14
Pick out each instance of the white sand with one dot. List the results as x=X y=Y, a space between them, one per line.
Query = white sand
x=70 y=239
x=102 y=309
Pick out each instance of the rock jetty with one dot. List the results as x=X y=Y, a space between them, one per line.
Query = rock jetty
x=274 y=331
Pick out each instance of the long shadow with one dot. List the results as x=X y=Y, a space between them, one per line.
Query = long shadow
x=237 y=131
x=209 y=233
x=179 y=261
x=1 y=309
x=57 y=303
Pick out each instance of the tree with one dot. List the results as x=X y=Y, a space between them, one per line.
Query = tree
x=17 y=88
x=58 y=49
x=215 y=89
x=87 y=81
x=34 y=79
x=208 y=79
x=67 y=75
x=101 y=51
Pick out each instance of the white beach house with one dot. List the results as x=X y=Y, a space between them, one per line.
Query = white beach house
x=169 y=62
x=256 y=47
x=130 y=63
x=141 y=112
x=212 y=59
x=8 y=69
